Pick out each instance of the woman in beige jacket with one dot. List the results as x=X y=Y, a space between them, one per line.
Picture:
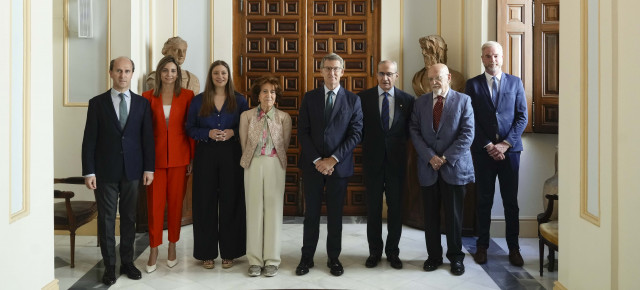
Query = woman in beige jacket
x=264 y=135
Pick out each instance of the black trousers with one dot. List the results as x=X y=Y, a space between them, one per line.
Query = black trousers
x=314 y=184
x=110 y=196
x=379 y=181
x=218 y=201
x=452 y=198
x=507 y=171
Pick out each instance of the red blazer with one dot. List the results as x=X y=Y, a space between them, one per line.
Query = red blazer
x=173 y=146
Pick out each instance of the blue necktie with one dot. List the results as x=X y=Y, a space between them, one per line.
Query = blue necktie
x=123 y=111
x=494 y=91
x=328 y=107
x=384 y=112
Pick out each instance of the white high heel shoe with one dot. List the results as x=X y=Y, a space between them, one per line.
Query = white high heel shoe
x=171 y=264
x=151 y=268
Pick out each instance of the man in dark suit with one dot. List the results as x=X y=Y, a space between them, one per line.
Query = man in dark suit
x=386 y=110
x=442 y=132
x=117 y=147
x=500 y=110
x=329 y=128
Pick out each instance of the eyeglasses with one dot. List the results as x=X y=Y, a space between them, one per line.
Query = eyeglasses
x=332 y=69
x=388 y=74
x=438 y=78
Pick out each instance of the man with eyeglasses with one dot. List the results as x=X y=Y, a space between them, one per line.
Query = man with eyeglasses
x=386 y=110
x=442 y=129
x=500 y=108
x=329 y=128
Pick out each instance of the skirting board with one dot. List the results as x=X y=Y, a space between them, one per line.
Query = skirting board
x=558 y=286
x=53 y=285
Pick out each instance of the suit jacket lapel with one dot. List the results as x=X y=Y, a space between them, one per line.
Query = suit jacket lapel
x=448 y=105
x=487 y=92
x=111 y=110
x=135 y=105
x=338 y=102
x=397 y=107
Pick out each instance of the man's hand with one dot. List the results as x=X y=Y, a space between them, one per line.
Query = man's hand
x=90 y=182
x=147 y=178
x=436 y=162
x=497 y=151
x=325 y=165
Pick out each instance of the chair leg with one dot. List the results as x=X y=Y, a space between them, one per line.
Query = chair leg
x=72 y=237
x=541 y=251
x=552 y=260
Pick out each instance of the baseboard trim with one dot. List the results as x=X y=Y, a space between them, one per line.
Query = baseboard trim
x=528 y=228
x=53 y=285
x=558 y=286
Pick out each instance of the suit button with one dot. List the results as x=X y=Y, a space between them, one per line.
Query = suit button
x=122 y=137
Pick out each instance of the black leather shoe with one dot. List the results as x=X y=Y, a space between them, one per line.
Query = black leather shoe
x=132 y=272
x=395 y=262
x=335 y=267
x=303 y=267
x=457 y=268
x=109 y=277
x=515 y=258
x=372 y=261
x=481 y=255
x=431 y=265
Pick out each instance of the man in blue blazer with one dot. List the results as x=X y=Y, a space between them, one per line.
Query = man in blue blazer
x=500 y=108
x=118 y=151
x=442 y=132
x=329 y=128
x=386 y=110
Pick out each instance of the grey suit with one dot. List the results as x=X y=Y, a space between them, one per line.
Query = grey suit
x=452 y=140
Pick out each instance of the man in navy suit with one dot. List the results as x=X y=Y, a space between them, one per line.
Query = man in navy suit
x=117 y=151
x=329 y=128
x=386 y=110
x=442 y=132
x=500 y=108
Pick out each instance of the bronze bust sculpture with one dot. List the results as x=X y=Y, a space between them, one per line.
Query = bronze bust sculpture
x=177 y=47
x=434 y=50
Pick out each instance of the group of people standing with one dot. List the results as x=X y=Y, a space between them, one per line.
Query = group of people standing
x=238 y=159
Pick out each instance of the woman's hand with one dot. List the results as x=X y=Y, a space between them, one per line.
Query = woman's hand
x=190 y=168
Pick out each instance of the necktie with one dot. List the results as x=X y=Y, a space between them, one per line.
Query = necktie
x=437 y=113
x=328 y=107
x=384 y=112
x=494 y=90
x=123 y=111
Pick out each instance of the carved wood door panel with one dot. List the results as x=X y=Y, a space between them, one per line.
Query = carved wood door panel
x=546 y=80
x=287 y=39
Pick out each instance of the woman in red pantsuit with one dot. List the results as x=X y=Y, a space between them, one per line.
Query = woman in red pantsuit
x=174 y=152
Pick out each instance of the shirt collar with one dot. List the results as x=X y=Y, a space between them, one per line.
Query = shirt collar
x=268 y=114
x=115 y=93
x=391 y=92
x=335 y=91
x=489 y=76
x=443 y=96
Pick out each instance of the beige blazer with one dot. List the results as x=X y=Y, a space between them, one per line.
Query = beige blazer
x=251 y=134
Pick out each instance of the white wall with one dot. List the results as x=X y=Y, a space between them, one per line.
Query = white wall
x=27 y=243
x=606 y=253
x=420 y=19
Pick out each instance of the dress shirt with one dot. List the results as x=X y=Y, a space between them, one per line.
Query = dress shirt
x=115 y=98
x=391 y=99
x=198 y=127
x=444 y=99
x=490 y=82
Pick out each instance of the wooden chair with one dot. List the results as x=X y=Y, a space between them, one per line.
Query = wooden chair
x=548 y=233
x=70 y=215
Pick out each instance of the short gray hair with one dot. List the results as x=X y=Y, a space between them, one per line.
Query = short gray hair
x=332 y=56
x=491 y=44
x=393 y=62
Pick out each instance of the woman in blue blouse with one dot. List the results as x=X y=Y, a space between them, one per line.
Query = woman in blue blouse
x=218 y=195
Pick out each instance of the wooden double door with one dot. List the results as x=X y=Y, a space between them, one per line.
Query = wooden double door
x=287 y=39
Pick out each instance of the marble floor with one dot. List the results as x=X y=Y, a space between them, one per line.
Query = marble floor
x=188 y=274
